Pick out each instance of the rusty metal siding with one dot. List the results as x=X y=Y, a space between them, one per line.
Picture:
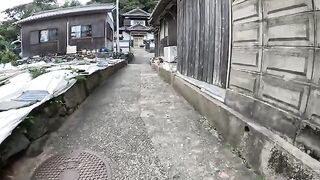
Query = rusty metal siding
x=97 y=40
x=203 y=40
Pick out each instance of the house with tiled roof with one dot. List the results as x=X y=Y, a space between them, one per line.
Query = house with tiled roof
x=65 y=30
x=136 y=28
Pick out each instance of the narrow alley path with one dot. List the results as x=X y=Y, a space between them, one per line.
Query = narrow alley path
x=146 y=130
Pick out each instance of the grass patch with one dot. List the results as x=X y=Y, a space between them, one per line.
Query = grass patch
x=26 y=124
x=35 y=72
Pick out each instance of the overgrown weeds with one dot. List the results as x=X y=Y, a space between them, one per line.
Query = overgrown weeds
x=36 y=72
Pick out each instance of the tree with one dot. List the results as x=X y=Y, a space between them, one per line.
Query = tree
x=71 y=3
x=25 y=10
x=41 y=5
x=9 y=31
x=127 y=5
x=19 y=12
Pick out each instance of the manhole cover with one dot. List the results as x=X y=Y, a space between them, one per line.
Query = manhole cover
x=81 y=165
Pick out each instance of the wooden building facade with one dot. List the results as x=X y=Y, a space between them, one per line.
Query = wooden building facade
x=164 y=20
x=136 y=28
x=55 y=31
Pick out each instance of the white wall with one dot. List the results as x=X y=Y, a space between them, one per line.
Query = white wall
x=134 y=22
x=126 y=36
x=162 y=27
x=124 y=46
x=109 y=43
x=150 y=36
x=110 y=20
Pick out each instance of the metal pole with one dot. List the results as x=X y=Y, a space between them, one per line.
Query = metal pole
x=118 y=43
x=68 y=33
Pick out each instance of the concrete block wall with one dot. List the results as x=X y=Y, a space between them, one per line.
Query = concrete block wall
x=275 y=68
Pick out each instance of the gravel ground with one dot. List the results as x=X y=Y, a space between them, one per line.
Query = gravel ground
x=145 y=129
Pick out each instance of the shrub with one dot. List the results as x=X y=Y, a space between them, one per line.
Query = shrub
x=117 y=55
x=8 y=56
x=35 y=72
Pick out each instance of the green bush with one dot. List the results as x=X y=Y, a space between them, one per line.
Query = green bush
x=130 y=56
x=8 y=56
x=35 y=72
x=117 y=55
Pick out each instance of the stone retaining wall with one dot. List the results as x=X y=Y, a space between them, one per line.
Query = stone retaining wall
x=32 y=133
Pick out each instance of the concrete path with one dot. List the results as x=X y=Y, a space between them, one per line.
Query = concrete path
x=146 y=130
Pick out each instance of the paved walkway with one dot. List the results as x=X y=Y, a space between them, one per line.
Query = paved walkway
x=146 y=129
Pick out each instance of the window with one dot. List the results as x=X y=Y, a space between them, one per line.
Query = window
x=48 y=35
x=162 y=29
x=141 y=22
x=110 y=32
x=81 y=31
x=166 y=29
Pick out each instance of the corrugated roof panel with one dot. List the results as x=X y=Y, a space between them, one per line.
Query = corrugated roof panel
x=33 y=95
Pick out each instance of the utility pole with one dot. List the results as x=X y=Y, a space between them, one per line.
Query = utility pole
x=118 y=43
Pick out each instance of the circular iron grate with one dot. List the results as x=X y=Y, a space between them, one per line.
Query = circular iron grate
x=81 y=165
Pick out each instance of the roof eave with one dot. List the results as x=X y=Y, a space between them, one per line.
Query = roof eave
x=29 y=19
x=158 y=10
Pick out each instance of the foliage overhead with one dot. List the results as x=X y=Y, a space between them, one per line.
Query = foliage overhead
x=71 y=3
x=25 y=10
x=127 y=5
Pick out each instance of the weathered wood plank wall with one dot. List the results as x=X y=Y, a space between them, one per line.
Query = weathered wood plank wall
x=59 y=46
x=203 y=40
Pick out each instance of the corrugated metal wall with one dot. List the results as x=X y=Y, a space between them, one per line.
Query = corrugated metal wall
x=203 y=40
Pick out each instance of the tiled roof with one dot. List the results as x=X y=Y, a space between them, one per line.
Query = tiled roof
x=69 y=11
x=137 y=12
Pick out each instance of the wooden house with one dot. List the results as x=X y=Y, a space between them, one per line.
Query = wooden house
x=164 y=21
x=67 y=29
x=136 y=28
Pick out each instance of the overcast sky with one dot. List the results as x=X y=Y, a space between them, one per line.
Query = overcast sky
x=5 y=4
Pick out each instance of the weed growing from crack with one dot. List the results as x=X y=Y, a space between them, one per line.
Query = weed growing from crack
x=27 y=123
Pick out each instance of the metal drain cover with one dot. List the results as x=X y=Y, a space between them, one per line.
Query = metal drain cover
x=82 y=165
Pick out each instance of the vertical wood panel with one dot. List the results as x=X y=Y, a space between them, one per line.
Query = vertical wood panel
x=218 y=42
x=193 y=23
x=206 y=41
x=225 y=41
x=197 y=39
x=203 y=32
x=211 y=39
x=187 y=34
x=202 y=12
x=179 y=40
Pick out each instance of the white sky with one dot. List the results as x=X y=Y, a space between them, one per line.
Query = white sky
x=5 y=4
